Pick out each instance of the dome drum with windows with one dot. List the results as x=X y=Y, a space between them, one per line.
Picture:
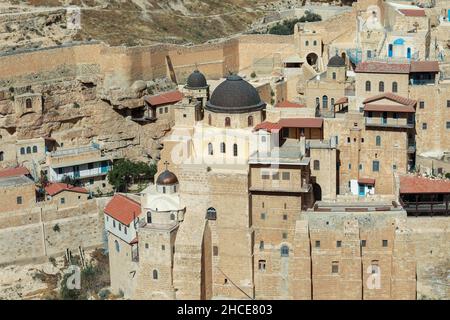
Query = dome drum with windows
x=167 y=182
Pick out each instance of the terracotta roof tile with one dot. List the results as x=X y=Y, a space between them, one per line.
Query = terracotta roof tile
x=425 y=66
x=341 y=101
x=301 y=122
x=413 y=184
x=14 y=172
x=123 y=209
x=268 y=126
x=382 y=67
x=388 y=108
x=289 y=104
x=392 y=97
x=55 y=188
x=164 y=98
x=413 y=12
x=366 y=181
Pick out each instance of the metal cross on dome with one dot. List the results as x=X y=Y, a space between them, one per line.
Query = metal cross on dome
x=166 y=164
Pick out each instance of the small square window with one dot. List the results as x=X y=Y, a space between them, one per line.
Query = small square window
x=263 y=216
x=338 y=243
x=317 y=244
x=215 y=251
x=63 y=200
x=285 y=217
x=276 y=176
x=422 y=104
x=424 y=126
x=335 y=267
x=385 y=243
x=19 y=200
x=265 y=175
x=285 y=235
x=394 y=167
x=262 y=265
x=447 y=125
x=363 y=243
x=163 y=247
x=448 y=103
x=287 y=175
x=146 y=246
x=261 y=245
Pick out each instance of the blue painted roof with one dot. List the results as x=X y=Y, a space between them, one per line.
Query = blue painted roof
x=399 y=41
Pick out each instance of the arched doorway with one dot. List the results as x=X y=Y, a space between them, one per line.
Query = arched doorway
x=311 y=58
x=317 y=191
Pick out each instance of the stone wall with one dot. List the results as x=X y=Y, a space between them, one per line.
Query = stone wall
x=46 y=231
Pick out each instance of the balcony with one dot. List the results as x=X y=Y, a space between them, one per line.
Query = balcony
x=389 y=123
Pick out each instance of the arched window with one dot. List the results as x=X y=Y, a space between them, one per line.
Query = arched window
x=1 y=156
x=28 y=103
x=28 y=149
x=317 y=101
x=235 y=150
x=222 y=147
x=227 y=122
x=324 y=102
x=315 y=42
x=378 y=140
x=209 y=119
x=381 y=86
x=210 y=149
x=394 y=86
x=117 y=245
x=285 y=251
x=34 y=149
x=250 y=121
x=334 y=75
x=149 y=217
x=164 y=189
x=155 y=274
x=22 y=150
x=306 y=43
x=316 y=165
x=368 y=86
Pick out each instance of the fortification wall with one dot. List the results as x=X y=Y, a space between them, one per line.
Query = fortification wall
x=49 y=231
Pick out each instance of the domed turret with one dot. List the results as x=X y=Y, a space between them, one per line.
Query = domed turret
x=196 y=81
x=235 y=95
x=336 y=61
x=166 y=178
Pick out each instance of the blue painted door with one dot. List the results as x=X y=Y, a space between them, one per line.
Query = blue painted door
x=362 y=189
x=390 y=51
x=104 y=166
x=408 y=53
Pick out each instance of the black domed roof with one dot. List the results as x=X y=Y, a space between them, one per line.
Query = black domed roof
x=196 y=81
x=336 y=61
x=235 y=95
x=167 y=178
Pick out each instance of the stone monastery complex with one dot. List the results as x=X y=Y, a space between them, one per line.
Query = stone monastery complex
x=310 y=166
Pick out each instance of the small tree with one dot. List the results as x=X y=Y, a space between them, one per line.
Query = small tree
x=126 y=172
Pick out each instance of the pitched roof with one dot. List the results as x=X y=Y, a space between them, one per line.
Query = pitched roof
x=14 y=172
x=289 y=104
x=388 y=108
x=55 y=188
x=123 y=209
x=301 y=122
x=164 y=98
x=413 y=12
x=268 y=126
x=366 y=181
x=382 y=67
x=392 y=97
x=341 y=100
x=413 y=184
x=424 y=66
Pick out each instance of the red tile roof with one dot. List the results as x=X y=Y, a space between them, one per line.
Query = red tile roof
x=341 y=100
x=424 y=66
x=301 y=122
x=289 y=104
x=413 y=12
x=382 y=67
x=366 y=181
x=413 y=184
x=268 y=126
x=388 y=108
x=123 y=209
x=14 y=172
x=393 y=97
x=171 y=97
x=55 y=188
